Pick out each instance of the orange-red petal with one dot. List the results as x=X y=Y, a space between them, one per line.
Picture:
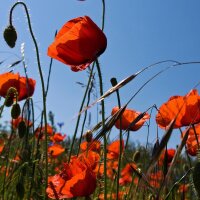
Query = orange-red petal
x=128 y=117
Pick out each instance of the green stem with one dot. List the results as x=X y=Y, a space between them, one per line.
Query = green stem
x=7 y=161
x=84 y=120
x=127 y=139
x=114 y=82
x=177 y=182
x=50 y=67
x=103 y=125
x=188 y=157
x=79 y=116
x=130 y=189
x=42 y=84
x=103 y=14
x=48 y=79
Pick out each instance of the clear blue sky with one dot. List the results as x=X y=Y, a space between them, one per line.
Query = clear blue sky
x=139 y=33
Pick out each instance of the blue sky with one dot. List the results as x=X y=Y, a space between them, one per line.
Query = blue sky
x=139 y=33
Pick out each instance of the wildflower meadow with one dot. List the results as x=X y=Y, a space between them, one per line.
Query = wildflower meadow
x=99 y=159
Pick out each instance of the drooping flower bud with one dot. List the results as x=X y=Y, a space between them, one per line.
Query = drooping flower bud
x=10 y=36
x=8 y=101
x=11 y=95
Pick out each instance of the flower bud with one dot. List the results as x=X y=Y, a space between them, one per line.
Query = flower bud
x=15 y=111
x=22 y=129
x=10 y=36
x=113 y=81
x=10 y=96
x=8 y=101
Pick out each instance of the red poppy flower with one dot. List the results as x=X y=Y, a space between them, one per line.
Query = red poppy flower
x=111 y=169
x=79 y=42
x=94 y=145
x=156 y=178
x=114 y=149
x=191 y=143
x=55 y=150
x=25 y=87
x=128 y=117
x=113 y=196
x=183 y=188
x=186 y=108
x=170 y=155
x=57 y=137
x=91 y=159
x=128 y=169
x=39 y=132
x=127 y=173
x=76 y=180
x=158 y=175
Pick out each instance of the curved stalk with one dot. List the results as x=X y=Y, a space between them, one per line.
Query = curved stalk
x=103 y=124
x=79 y=116
x=41 y=79
x=114 y=83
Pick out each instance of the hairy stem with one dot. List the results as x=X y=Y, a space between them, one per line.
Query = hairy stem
x=103 y=125
x=42 y=84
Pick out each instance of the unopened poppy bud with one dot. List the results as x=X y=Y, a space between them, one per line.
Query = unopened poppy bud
x=113 y=81
x=15 y=111
x=136 y=156
x=11 y=93
x=196 y=180
x=10 y=36
x=22 y=129
x=8 y=101
x=88 y=136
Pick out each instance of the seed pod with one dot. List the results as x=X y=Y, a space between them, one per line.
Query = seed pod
x=22 y=129
x=15 y=111
x=196 y=179
x=10 y=36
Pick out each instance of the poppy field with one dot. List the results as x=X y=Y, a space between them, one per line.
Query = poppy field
x=39 y=161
